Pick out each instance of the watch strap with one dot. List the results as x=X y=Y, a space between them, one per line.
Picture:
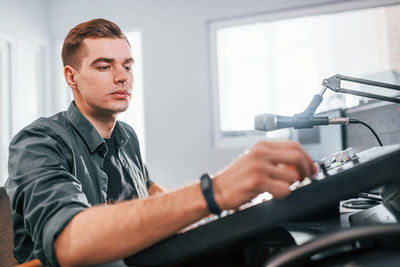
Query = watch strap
x=206 y=188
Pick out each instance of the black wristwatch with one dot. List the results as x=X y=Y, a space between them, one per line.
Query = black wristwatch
x=206 y=188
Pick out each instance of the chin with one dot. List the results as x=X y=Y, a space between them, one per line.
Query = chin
x=120 y=108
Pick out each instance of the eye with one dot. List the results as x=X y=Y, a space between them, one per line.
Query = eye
x=128 y=68
x=103 y=67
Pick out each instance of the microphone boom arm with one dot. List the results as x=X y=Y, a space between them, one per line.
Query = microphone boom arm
x=333 y=83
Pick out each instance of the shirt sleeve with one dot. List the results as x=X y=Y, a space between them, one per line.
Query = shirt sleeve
x=149 y=182
x=42 y=189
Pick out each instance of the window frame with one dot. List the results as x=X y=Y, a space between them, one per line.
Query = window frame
x=229 y=139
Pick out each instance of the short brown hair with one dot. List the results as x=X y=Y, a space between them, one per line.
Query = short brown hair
x=96 y=28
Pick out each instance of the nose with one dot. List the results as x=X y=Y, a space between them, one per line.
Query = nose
x=121 y=76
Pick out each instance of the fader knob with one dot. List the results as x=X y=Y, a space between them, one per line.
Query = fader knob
x=326 y=162
x=350 y=153
x=338 y=157
x=345 y=157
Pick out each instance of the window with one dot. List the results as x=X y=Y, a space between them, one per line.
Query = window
x=262 y=66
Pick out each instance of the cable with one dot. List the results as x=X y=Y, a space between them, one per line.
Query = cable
x=369 y=127
x=361 y=204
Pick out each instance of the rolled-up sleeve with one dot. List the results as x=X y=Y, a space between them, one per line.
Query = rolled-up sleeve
x=43 y=192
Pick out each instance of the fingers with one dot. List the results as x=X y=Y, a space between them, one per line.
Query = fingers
x=268 y=166
x=277 y=188
x=282 y=172
x=289 y=153
x=293 y=158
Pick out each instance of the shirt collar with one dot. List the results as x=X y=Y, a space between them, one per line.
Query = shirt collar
x=121 y=137
x=90 y=135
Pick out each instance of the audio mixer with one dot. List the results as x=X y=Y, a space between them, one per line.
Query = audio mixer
x=341 y=178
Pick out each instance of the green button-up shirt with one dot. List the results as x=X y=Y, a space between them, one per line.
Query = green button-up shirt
x=56 y=171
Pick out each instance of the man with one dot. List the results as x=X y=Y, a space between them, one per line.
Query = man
x=69 y=174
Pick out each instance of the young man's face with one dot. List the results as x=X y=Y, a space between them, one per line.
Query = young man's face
x=104 y=80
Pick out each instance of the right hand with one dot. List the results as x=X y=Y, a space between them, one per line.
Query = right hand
x=268 y=166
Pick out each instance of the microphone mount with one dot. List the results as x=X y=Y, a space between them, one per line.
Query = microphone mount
x=333 y=83
x=305 y=118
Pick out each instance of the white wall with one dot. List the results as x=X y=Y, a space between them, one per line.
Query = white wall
x=178 y=121
x=27 y=19
x=27 y=22
x=24 y=63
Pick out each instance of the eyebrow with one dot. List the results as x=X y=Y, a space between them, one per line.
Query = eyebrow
x=110 y=60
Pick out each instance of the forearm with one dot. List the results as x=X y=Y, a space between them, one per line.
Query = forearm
x=156 y=189
x=110 y=232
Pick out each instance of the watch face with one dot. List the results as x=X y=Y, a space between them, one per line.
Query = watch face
x=207 y=183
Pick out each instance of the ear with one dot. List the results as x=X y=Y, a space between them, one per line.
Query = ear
x=70 y=76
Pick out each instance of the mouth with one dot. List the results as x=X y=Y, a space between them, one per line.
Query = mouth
x=121 y=94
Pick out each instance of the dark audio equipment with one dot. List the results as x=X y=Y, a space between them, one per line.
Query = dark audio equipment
x=348 y=175
x=384 y=118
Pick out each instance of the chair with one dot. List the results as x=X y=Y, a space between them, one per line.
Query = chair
x=7 y=243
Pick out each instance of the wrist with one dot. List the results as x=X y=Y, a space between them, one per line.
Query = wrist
x=206 y=186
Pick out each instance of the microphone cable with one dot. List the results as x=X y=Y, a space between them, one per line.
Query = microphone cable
x=369 y=127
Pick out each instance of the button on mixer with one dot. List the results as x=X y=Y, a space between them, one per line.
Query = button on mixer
x=338 y=157
x=350 y=153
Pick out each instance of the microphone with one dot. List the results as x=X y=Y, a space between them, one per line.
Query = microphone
x=271 y=122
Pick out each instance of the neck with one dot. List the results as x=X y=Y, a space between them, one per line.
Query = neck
x=103 y=122
x=103 y=125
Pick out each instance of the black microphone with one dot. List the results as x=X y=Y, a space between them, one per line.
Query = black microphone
x=270 y=122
